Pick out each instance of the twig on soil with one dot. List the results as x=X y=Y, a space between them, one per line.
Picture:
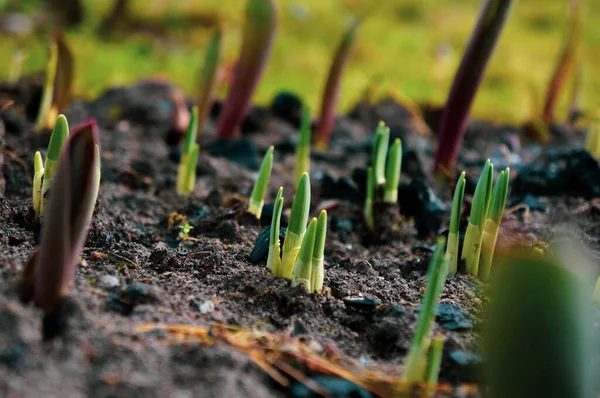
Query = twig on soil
x=521 y=206
x=18 y=160
x=115 y=257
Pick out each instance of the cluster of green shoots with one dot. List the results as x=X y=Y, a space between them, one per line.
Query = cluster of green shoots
x=487 y=209
x=72 y=193
x=303 y=249
x=384 y=173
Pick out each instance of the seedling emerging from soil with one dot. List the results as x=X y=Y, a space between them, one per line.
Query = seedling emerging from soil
x=208 y=79
x=257 y=199
x=538 y=332
x=303 y=148
x=369 y=198
x=49 y=273
x=452 y=244
x=296 y=228
x=392 y=175
x=470 y=73
x=566 y=62
x=492 y=224
x=274 y=259
x=592 y=142
x=186 y=172
x=58 y=88
x=318 y=269
x=301 y=274
x=332 y=86
x=59 y=137
x=259 y=33
x=416 y=361
x=380 y=149
x=434 y=363
x=479 y=209
x=38 y=177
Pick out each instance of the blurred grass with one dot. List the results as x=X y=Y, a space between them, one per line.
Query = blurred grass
x=411 y=45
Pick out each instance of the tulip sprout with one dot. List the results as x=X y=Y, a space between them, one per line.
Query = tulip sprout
x=481 y=202
x=452 y=244
x=274 y=259
x=257 y=199
x=434 y=363
x=186 y=172
x=42 y=179
x=208 y=79
x=50 y=272
x=259 y=34
x=302 y=164
x=492 y=224
x=332 y=86
x=369 y=199
x=380 y=149
x=415 y=367
x=318 y=269
x=392 y=175
x=490 y=22
x=296 y=228
x=301 y=274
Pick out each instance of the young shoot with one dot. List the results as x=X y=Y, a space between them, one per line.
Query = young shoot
x=257 y=199
x=332 y=86
x=380 y=149
x=415 y=366
x=480 y=47
x=296 y=228
x=452 y=244
x=186 y=172
x=369 y=199
x=49 y=274
x=259 y=34
x=318 y=258
x=302 y=164
x=38 y=176
x=274 y=259
x=492 y=224
x=392 y=173
x=434 y=363
x=479 y=208
x=59 y=137
x=208 y=79
x=301 y=274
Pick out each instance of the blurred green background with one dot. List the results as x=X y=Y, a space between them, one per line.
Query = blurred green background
x=413 y=46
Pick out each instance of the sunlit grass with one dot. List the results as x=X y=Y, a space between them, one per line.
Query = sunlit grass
x=416 y=45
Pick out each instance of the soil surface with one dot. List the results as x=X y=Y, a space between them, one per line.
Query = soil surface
x=248 y=333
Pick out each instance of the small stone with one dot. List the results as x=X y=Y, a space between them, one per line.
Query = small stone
x=207 y=307
x=109 y=281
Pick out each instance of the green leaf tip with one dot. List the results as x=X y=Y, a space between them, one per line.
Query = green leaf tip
x=453 y=238
x=499 y=197
x=482 y=195
x=392 y=175
x=257 y=198
x=380 y=149
x=186 y=172
x=274 y=258
x=318 y=267
x=38 y=175
x=190 y=135
x=58 y=138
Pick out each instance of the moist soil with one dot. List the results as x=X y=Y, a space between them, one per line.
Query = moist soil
x=248 y=333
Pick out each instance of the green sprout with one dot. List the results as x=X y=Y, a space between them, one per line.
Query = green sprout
x=274 y=259
x=186 y=172
x=452 y=245
x=302 y=164
x=50 y=272
x=185 y=230
x=318 y=269
x=481 y=203
x=416 y=360
x=331 y=93
x=301 y=274
x=380 y=149
x=434 y=363
x=370 y=197
x=59 y=136
x=392 y=175
x=538 y=334
x=257 y=199
x=296 y=228
x=492 y=224
x=208 y=79
x=44 y=113
x=38 y=176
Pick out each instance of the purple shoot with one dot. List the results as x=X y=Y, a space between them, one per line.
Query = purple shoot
x=259 y=34
x=482 y=42
x=71 y=202
x=332 y=86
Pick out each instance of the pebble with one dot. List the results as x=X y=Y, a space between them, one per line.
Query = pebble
x=207 y=307
x=109 y=281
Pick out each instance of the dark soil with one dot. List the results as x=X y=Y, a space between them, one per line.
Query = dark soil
x=138 y=273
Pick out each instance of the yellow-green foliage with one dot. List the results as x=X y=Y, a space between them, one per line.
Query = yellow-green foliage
x=309 y=30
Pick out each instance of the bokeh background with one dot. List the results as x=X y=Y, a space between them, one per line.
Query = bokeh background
x=411 y=46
